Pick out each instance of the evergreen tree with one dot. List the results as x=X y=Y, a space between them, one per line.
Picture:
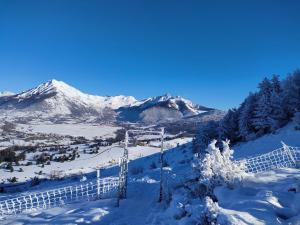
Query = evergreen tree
x=278 y=115
x=246 y=116
x=291 y=94
x=217 y=168
x=228 y=128
x=273 y=106
x=204 y=136
x=262 y=120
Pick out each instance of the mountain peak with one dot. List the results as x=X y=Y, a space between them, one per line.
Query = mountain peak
x=55 y=82
x=52 y=87
x=58 y=85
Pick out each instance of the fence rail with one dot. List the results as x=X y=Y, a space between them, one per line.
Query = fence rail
x=99 y=188
x=284 y=157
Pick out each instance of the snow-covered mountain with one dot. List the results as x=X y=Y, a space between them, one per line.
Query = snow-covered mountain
x=56 y=99
x=164 y=108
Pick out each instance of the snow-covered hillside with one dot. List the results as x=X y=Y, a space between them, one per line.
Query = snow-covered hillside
x=269 y=142
x=262 y=199
x=141 y=206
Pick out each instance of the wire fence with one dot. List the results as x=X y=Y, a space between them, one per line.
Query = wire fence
x=98 y=189
x=284 y=157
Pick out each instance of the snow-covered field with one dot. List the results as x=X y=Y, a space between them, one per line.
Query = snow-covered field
x=89 y=131
x=107 y=156
x=86 y=163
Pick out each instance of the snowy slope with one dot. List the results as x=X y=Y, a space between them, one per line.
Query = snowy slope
x=141 y=207
x=266 y=198
x=269 y=142
x=262 y=199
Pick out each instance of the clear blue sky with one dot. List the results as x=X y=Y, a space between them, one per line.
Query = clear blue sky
x=212 y=52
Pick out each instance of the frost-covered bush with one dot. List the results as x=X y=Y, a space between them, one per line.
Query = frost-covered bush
x=216 y=167
x=210 y=212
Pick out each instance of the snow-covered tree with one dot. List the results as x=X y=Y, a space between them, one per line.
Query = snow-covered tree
x=291 y=94
x=272 y=107
x=262 y=120
x=278 y=114
x=204 y=136
x=246 y=116
x=233 y=172
x=228 y=128
x=217 y=168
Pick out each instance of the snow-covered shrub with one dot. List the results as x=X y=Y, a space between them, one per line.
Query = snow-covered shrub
x=232 y=172
x=217 y=168
x=210 y=212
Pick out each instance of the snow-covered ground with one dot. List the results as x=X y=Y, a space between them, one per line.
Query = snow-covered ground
x=269 y=142
x=89 y=131
x=141 y=206
x=266 y=198
x=86 y=163
x=172 y=143
x=107 y=156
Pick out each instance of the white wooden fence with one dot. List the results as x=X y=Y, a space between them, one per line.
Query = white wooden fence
x=99 y=188
x=284 y=157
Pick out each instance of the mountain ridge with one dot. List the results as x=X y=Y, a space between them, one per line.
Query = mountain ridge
x=56 y=98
